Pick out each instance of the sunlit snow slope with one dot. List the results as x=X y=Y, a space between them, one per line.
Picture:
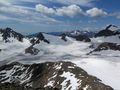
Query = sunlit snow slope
x=12 y=48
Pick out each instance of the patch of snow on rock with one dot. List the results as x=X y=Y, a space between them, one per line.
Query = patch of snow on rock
x=71 y=81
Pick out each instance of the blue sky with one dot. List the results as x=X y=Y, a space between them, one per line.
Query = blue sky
x=58 y=15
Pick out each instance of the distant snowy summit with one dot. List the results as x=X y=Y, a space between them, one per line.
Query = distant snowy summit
x=75 y=33
x=107 y=39
x=110 y=30
x=8 y=33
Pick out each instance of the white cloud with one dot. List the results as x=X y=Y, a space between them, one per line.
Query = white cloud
x=3 y=17
x=70 y=11
x=95 y=12
x=6 y=2
x=15 y=10
x=45 y=10
x=22 y=14
x=117 y=15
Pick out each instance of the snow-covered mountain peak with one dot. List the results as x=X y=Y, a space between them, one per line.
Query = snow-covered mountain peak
x=75 y=33
x=8 y=33
x=11 y=43
x=112 y=27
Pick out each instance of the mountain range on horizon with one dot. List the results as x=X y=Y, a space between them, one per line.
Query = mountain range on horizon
x=69 y=61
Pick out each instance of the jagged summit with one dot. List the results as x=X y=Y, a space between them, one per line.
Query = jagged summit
x=76 y=35
x=11 y=43
x=109 y=27
x=8 y=33
x=38 y=38
x=108 y=31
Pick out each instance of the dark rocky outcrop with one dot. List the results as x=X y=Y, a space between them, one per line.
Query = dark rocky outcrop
x=107 y=32
x=31 y=50
x=8 y=32
x=38 y=38
x=41 y=37
x=49 y=74
x=108 y=46
x=33 y=41
x=14 y=86
x=63 y=37
x=82 y=38
x=104 y=33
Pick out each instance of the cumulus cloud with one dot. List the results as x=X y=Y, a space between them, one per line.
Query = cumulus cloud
x=45 y=10
x=95 y=12
x=70 y=11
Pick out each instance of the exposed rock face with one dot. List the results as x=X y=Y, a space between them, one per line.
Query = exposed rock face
x=104 y=33
x=31 y=50
x=82 y=38
x=39 y=37
x=36 y=40
x=8 y=32
x=107 y=32
x=63 y=37
x=59 y=75
x=108 y=46
x=13 y=86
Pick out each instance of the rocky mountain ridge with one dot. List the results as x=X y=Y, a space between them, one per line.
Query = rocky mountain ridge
x=9 y=33
x=108 y=31
x=59 y=75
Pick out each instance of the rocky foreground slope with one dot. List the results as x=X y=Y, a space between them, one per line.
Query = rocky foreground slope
x=58 y=75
